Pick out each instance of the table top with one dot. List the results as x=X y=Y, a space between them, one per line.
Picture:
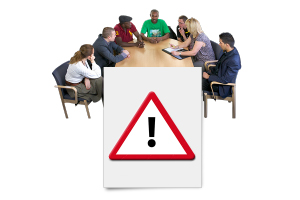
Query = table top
x=153 y=56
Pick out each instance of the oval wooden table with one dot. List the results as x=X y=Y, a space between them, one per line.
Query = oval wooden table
x=153 y=56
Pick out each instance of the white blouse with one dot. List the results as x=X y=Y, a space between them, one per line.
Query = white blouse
x=77 y=71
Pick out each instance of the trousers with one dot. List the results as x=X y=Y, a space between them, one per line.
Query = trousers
x=93 y=94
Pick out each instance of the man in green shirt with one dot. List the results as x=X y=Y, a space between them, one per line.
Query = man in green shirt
x=157 y=29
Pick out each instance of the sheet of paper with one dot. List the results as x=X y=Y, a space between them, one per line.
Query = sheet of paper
x=171 y=49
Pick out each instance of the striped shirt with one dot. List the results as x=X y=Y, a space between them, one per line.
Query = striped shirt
x=77 y=71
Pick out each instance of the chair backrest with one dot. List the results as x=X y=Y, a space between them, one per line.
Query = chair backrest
x=217 y=49
x=172 y=34
x=59 y=74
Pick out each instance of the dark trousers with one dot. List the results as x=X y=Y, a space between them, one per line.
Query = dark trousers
x=206 y=86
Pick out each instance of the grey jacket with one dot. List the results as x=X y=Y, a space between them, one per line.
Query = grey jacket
x=104 y=54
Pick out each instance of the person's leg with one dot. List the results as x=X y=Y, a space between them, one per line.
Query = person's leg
x=205 y=85
x=96 y=88
x=82 y=92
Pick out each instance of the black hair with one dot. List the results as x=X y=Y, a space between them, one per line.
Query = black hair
x=227 y=38
x=154 y=10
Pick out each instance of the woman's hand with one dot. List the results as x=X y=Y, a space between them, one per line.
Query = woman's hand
x=87 y=83
x=173 y=46
x=175 y=53
x=92 y=58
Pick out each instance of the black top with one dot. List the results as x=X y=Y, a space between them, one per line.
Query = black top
x=187 y=33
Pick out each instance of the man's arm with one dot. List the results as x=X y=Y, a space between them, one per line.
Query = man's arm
x=182 y=33
x=138 y=36
x=231 y=72
x=139 y=42
x=124 y=44
x=103 y=51
x=149 y=39
x=116 y=47
x=166 y=30
x=166 y=36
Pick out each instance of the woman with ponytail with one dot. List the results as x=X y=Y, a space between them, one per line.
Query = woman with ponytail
x=87 y=80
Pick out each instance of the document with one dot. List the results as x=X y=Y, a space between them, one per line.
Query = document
x=171 y=49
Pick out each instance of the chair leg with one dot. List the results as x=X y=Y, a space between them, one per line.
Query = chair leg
x=205 y=105
x=62 y=102
x=87 y=109
x=233 y=103
x=65 y=110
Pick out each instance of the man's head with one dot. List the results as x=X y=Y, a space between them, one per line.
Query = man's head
x=181 y=21
x=125 y=21
x=109 y=34
x=154 y=14
x=226 y=41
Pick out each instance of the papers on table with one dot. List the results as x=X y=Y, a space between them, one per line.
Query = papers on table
x=171 y=49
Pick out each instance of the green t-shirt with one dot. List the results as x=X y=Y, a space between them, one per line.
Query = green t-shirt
x=155 y=30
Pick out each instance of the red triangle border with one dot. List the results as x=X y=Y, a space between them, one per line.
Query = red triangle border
x=152 y=96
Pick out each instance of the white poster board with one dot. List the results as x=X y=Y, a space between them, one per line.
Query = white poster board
x=178 y=90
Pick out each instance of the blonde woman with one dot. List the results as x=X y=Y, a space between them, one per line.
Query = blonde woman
x=198 y=43
x=87 y=80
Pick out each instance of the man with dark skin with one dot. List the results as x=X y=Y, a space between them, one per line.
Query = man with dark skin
x=124 y=31
x=157 y=29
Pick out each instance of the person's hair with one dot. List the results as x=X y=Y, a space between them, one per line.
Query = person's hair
x=193 y=26
x=84 y=51
x=227 y=38
x=183 y=17
x=107 y=32
x=154 y=10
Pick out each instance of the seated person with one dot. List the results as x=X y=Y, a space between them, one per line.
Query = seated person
x=182 y=32
x=124 y=32
x=156 y=29
x=86 y=80
x=104 y=49
x=226 y=68
x=198 y=43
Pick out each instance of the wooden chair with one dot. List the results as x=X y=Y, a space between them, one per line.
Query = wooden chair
x=59 y=75
x=215 y=95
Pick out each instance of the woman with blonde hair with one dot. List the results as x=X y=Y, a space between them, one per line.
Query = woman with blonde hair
x=87 y=80
x=198 y=43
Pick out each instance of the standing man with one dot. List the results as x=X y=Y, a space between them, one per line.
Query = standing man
x=182 y=32
x=156 y=29
x=124 y=31
x=104 y=48
x=226 y=68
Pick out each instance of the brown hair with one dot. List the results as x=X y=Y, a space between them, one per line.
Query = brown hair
x=183 y=17
x=107 y=32
x=84 y=51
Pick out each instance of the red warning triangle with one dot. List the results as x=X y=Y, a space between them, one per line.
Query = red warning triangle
x=152 y=96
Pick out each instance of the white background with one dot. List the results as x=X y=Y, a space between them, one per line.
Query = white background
x=45 y=156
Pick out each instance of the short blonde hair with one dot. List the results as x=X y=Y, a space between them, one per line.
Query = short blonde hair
x=193 y=26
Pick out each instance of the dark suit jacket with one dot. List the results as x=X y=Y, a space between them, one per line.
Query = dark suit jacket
x=227 y=72
x=104 y=54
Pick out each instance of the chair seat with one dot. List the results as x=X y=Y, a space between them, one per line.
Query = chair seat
x=216 y=93
x=67 y=96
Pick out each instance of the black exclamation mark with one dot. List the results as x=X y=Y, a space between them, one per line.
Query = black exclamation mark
x=151 y=122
